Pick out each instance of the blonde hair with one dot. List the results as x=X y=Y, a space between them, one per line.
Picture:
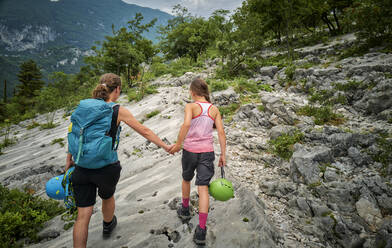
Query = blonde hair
x=107 y=84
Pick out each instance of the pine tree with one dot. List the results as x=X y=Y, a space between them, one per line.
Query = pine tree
x=30 y=76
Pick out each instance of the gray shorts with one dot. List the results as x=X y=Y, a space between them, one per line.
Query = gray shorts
x=203 y=163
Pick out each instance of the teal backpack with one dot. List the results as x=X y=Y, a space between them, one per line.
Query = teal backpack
x=89 y=141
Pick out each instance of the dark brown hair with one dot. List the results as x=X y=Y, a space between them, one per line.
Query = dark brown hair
x=107 y=84
x=200 y=88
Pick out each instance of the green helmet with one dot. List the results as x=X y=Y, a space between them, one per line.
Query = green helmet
x=221 y=189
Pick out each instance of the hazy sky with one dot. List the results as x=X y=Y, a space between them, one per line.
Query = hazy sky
x=196 y=7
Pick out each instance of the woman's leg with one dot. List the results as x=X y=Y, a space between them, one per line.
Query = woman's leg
x=80 y=230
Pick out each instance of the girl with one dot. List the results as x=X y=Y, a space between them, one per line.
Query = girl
x=86 y=182
x=198 y=152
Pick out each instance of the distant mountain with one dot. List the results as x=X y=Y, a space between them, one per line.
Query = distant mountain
x=58 y=33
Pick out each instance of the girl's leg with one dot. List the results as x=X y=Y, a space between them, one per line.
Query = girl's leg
x=186 y=191
x=203 y=205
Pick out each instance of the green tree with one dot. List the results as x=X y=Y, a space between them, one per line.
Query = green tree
x=185 y=35
x=31 y=78
x=372 y=19
x=123 y=52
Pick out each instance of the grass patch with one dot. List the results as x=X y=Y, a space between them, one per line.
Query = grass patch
x=322 y=115
x=384 y=156
x=152 y=114
x=227 y=112
x=217 y=85
x=48 y=125
x=283 y=145
x=261 y=108
x=33 y=125
x=59 y=141
x=22 y=215
x=350 y=86
x=138 y=93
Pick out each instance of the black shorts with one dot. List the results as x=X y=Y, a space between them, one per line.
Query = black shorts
x=203 y=163
x=85 y=183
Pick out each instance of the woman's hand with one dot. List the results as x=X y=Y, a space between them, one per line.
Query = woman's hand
x=222 y=160
x=168 y=148
x=175 y=148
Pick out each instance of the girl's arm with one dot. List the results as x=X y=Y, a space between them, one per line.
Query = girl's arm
x=184 y=129
x=126 y=116
x=222 y=138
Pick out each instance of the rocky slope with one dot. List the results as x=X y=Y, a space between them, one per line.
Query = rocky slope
x=334 y=191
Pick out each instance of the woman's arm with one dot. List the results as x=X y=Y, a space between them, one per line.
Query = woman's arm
x=221 y=137
x=68 y=162
x=184 y=129
x=126 y=116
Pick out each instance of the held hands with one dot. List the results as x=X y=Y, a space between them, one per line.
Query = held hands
x=175 y=148
x=168 y=148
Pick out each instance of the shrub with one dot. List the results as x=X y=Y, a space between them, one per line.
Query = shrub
x=217 y=85
x=243 y=85
x=144 y=89
x=290 y=70
x=22 y=215
x=227 y=112
x=48 y=125
x=283 y=145
x=322 y=115
x=384 y=155
x=33 y=125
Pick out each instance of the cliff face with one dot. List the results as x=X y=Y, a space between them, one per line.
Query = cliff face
x=35 y=29
x=28 y=37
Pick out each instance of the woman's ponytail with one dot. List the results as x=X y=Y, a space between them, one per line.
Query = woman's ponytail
x=107 y=84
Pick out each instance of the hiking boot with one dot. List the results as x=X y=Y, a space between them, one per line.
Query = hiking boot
x=108 y=229
x=184 y=213
x=200 y=235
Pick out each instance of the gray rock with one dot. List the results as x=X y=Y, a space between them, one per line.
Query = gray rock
x=304 y=206
x=331 y=175
x=269 y=71
x=378 y=100
x=369 y=213
x=277 y=131
x=356 y=156
x=386 y=114
x=225 y=97
x=304 y=166
x=384 y=234
x=250 y=113
x=319 y=209
x=340 y=143
x=385 y=203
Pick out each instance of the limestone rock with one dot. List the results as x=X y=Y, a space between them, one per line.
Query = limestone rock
x=369 y=213
x=225 y=97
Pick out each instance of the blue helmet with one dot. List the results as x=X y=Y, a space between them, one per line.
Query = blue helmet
x=54 y=189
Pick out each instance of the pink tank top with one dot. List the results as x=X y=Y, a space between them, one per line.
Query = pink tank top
x=199 y=138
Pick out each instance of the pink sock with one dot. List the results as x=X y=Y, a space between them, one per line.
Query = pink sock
x=203 y=220
x=185 y=202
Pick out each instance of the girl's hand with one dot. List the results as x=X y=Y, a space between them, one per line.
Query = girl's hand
x=222 y=161
x=168 y=147
x=175 y=149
